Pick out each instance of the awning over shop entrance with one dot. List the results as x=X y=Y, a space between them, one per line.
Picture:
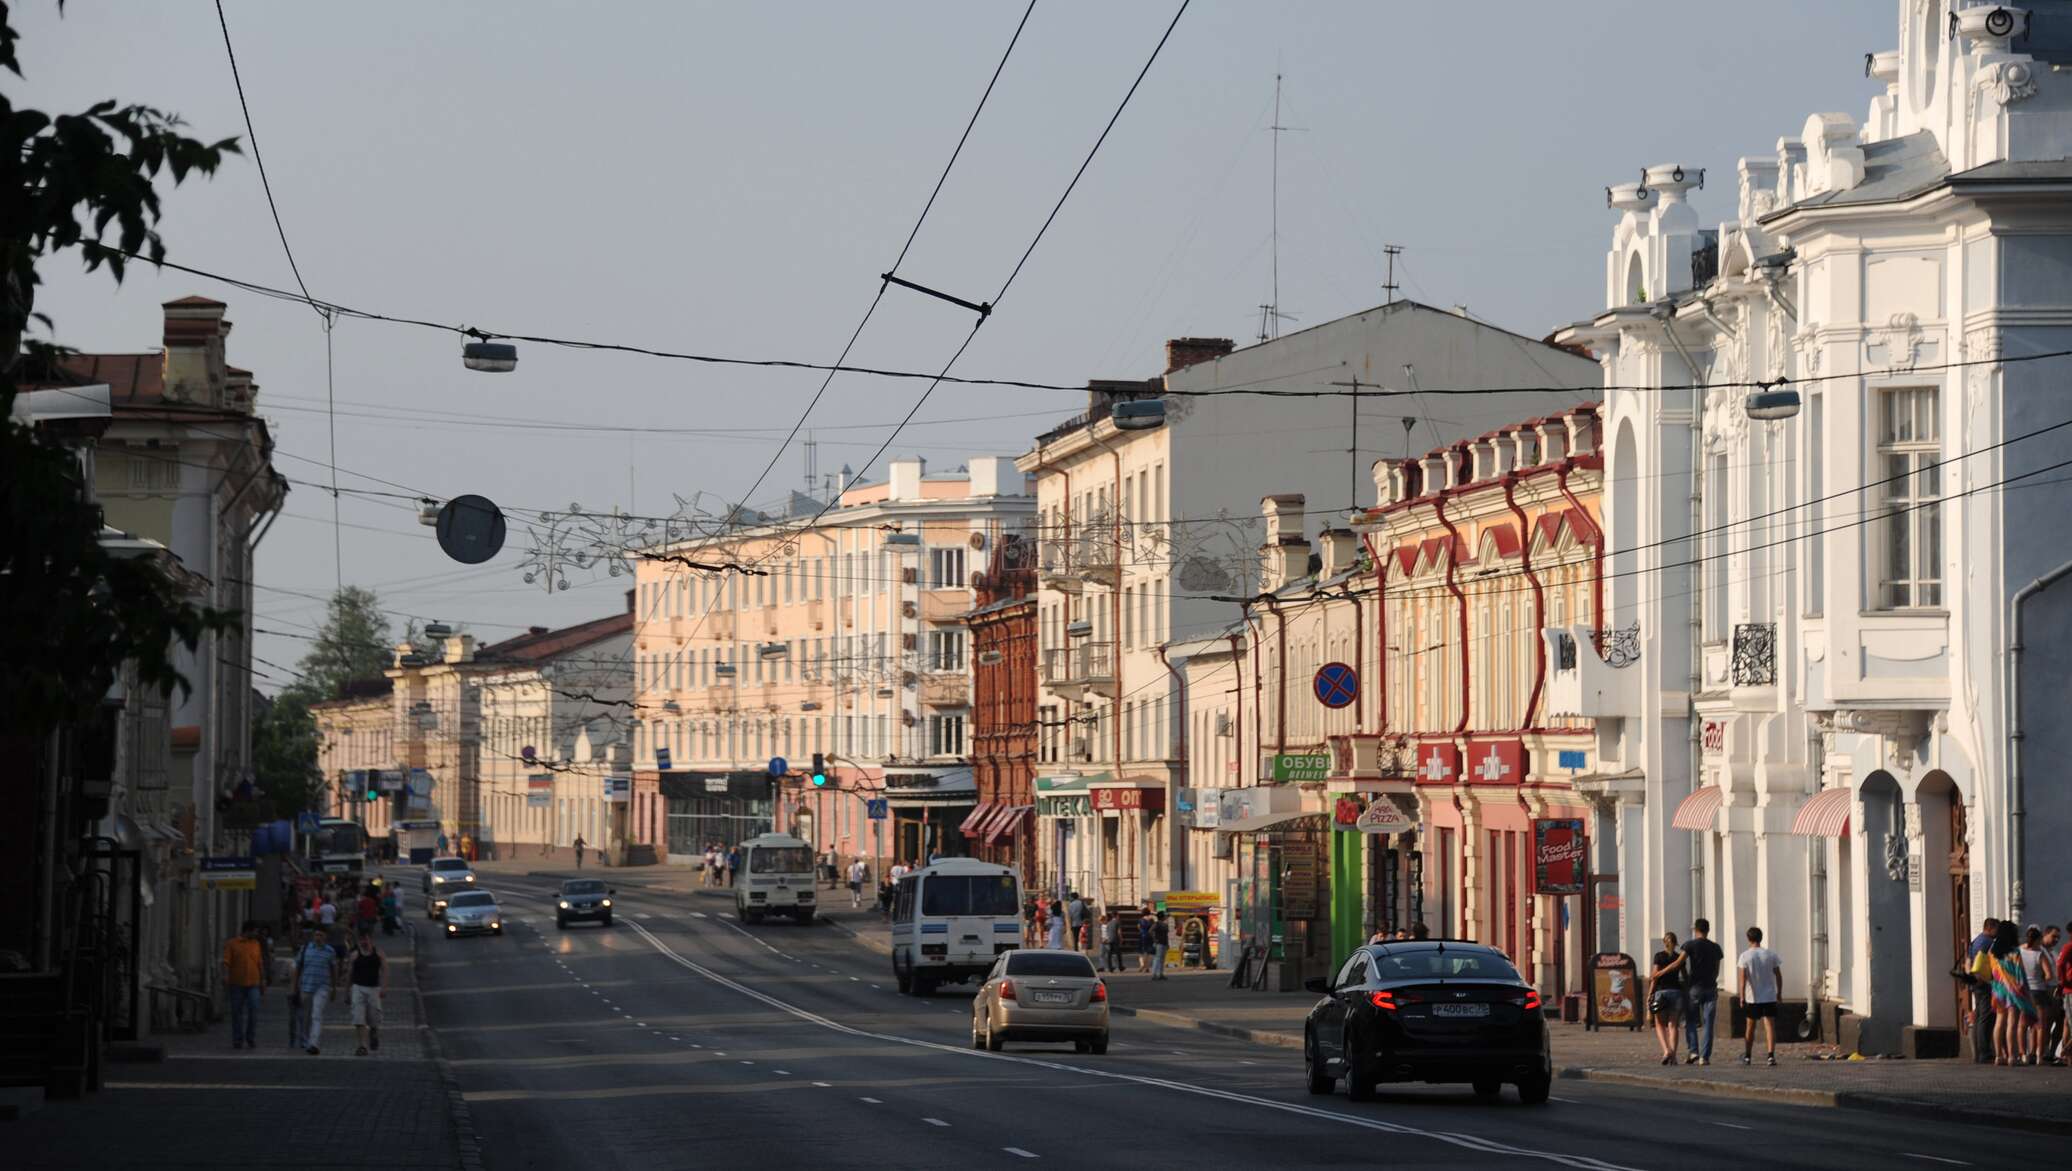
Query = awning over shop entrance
x=975 y=822
x=1007 y=822
x=1265 y=822
x=1697 y=810
x=1825 y=814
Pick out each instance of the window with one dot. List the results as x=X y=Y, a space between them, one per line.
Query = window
x=970 y=894
x=1047 y=718
x=1910 y=531
x=946 y=650
x=946 y=735
x=945 y=568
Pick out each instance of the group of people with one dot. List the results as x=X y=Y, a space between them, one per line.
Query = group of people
x=1070 y=923
x=719 y=864
x=1683 y=989
x=327 y=958
x=2019 y=982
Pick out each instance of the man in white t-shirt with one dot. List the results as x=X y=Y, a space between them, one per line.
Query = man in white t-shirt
x=327 y=912
x=1762 y=979
x=857 y=873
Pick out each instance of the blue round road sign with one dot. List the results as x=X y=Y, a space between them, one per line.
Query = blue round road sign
x=1337 y=685
x=779 y=766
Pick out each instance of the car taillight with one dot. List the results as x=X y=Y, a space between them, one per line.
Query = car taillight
x=1532 y=1000
x=1385 y=1001
x=1007 y=990
x=1100 y=992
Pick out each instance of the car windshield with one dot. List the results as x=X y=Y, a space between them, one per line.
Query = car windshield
x=1049 y=963
x=588 y=886
x=969 y=894
x=449 y=864
x=1444 y=965
x=780 y=860
x=475 y=898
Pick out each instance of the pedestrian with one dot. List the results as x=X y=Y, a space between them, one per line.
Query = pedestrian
x=2063 y=1053
x=1665 y=995
x=1111 y=942
x=1978 y=974
x=369 y=986
x=711 y=865
x=898 y=871
x=244 y=975
x=327 y=912
x=1761 y=981
x=365 y=911
x=579 y=851
x=1161 y=935
x=1145 y=943
x=2040 y=977
x=391 y=910
x=1418 y=930
x=316 y=973
x=1382 y=936
x=1057 y=926
x=2012 y=1007
x=857 y=873
x=1075 y=917
x=733 y=864
x=1702 y=960
x=442 y=843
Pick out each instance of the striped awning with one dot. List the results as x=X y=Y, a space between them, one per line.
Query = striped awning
x=1010 y=820
x=1696 y=811
x=1825 y=814
x=975 y=821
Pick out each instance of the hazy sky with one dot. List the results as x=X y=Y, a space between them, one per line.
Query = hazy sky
x=732 y=178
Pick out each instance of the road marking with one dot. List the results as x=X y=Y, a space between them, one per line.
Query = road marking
x=698 y=915
x=1365 y=1122
x=1177 y=1052
x=879 y=987
x=1550 y=1097
x=1936 y=1159
x=1242 y=1061
x=642 y=915
x=1728 y=1125
x=748 y=1063
x=783 y=1073
x=642 y=1024
x=935 y=1122
x=824 y=1085
x=872 y=1101
x=676 y=1038
x=1020 y=1153
x=859 y=979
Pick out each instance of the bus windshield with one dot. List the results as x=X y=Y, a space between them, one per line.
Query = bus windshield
x=780 y=860
x=338 y=837
x=969 y=894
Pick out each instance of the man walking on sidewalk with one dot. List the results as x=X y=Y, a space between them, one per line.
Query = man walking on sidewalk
x=244 y=974
x=579 y=851
x=857 y=873
x=1161 y=935
x=369 y=985
x=1762 y=978
x=1111 y=942
x=316 y=971
x=1701 y=991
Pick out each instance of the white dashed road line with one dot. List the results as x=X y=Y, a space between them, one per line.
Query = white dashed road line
x=1936 y=1159
x=940 y=1122
x=1017 y=1151
x=823 y=1085
x=872 y=1101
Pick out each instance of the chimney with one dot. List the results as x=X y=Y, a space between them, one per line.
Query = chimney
x=194 y=334
x=1286 y=552
x=629 y=602
x=460 y=648
x=907 y=471
x=993 y=475
x=1341 y=549
x=1182 y=352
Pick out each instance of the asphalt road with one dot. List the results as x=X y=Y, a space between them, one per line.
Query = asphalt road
x=680 y=1038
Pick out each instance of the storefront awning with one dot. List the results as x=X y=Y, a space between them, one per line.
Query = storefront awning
x=1068 y=782
x=1825 y=814
x=1696 y=811
x=1105 y=781
x=975 y=823
x=1264 y=822
x=1007 y=823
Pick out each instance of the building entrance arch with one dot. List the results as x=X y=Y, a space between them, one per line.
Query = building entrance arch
x=1888 y=916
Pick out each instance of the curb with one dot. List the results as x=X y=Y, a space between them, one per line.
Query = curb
x=467 y=1143
x=1270 y=1037
x=1832 y=1099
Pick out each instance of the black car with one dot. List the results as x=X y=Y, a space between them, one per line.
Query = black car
x=582 y=898
x=1434 y=1011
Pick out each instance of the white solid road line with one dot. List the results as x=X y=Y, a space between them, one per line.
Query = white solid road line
x=940 y=1122
x=645 y=915
x=1936 y=1159
x=1364 y=1121
x=1017 y=1151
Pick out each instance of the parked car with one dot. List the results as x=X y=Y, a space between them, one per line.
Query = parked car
x=1428 y=1011
x=582 y=898
x=1040 y=995
x=473 y=912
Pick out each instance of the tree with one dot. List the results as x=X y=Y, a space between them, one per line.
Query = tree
x=352 y=644
x=79 y=611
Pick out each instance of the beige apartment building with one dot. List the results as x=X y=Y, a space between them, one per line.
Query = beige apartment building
x=787 y=636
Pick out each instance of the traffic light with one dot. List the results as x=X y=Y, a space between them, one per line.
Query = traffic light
x=819 y=770
x=373 y=790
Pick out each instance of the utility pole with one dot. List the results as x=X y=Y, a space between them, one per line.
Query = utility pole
x=1354 y=450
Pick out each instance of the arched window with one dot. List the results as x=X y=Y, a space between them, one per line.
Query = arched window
x=1636 y=279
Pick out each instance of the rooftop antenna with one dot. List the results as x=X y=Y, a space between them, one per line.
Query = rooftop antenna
x=1270 y=315
x=1389 y=286
x=812 y=450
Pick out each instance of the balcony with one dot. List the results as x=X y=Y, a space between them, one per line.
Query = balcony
x=946 y=689
x=1072 y=671
x=1593 y=675
x=1055 y=561
x=1097 y=559
x=945 y=606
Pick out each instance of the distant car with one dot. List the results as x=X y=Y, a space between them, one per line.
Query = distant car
x=441 y=876
x=582 y=898
x=473 y=912
x=1428 y=1011
x=1040 y=995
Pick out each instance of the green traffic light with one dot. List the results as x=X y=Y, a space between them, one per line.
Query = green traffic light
x=819 y=780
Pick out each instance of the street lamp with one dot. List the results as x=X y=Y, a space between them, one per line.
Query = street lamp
x=489 y=357
x=1772 y=404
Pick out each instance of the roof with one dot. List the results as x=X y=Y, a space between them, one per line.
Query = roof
x=131 y=378
x=367 y=688
x=1403 y=305
x=2029 y=171
x=194 y=301
x=539 y=646
x=1893 y=169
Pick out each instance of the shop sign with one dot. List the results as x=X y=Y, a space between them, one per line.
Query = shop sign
x=912 y=780
x=1496 y=762
x=1614 y=984
x=1385 y=815
x=390 y=780
x=1064 y=805
x=539 y=790
x=229 y=874
x=1558 y=852
x=618 y=788
x=1299 y=876
x=1346 y=809
x=719 y=784
x=1118 y=800
x=1297 y=766
x=1208 y=808
x=1438 y=763
x=1188 y=902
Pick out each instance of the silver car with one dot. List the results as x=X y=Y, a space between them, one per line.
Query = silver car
x=473 y=912
x=444 y=877
x=1040 y=995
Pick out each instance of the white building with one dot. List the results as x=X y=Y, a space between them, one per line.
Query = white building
x=1816 y=736
x=1144 y=531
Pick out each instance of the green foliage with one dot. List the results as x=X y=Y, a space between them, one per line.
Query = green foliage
x=353 y=643
x=284 y=752
x=76 y=611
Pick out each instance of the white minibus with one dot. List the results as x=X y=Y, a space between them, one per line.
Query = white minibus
x=775 y=878
x=949 y=921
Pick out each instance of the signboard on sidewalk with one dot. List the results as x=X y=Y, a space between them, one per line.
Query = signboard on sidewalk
x=1614 y=989
x=1558 y=855
x=1293 y=766
x=229 y=873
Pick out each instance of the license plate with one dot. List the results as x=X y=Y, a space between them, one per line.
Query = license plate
x=1460 y=1010
x=1051 y=997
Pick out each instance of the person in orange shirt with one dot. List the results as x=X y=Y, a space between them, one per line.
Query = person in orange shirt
x=244 y=975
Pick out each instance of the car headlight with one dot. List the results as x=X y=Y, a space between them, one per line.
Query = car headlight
x=564 y=904
x=438 y=881
x=607 y=902
x=452 y=928
x=496 y=926
x=471 y=878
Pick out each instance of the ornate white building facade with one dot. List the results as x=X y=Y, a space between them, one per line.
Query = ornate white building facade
x=1818 y=737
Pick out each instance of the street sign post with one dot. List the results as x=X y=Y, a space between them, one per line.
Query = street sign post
x=779 y=766
x=875 y=808
x=1336 y=685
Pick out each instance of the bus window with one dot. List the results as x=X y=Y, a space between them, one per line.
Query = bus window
x=780 y=860
x=903 y=902
x=970 y=894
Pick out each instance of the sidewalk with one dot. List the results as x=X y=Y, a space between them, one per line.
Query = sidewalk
x=206 y=1105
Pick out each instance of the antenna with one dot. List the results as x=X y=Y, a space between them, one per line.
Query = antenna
x=1389 y=286
x=1270 y=315
x=812 y=449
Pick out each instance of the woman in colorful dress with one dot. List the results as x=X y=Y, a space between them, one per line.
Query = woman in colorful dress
x=2013 y=1011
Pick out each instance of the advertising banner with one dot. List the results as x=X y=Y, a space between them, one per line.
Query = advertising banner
x=1614 y=988
x=1559 y=850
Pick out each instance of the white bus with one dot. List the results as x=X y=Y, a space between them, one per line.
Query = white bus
x=950 y=920
x=337 y=847
x=775 y=878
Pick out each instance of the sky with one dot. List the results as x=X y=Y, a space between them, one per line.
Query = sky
x=732 y=179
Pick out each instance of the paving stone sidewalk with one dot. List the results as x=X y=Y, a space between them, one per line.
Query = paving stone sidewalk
x=208 y=1106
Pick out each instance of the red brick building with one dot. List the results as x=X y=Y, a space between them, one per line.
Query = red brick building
x=1003 y=710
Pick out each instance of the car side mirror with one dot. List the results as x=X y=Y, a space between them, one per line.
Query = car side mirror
x=1318 y=985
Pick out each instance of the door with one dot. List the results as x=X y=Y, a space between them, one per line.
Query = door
x=1960 y=903
x=1330 y=1031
